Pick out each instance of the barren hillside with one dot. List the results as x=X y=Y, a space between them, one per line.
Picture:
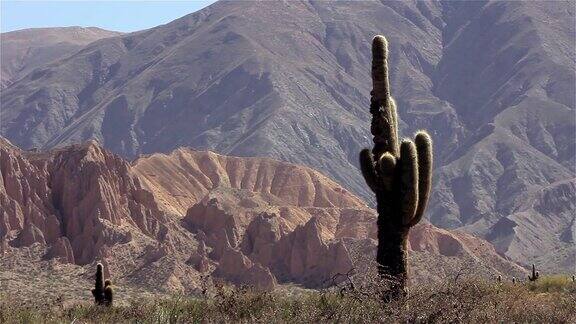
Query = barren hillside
x=23 y=51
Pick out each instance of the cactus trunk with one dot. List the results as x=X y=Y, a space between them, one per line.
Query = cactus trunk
x=98 y=291
x=400 y=174
x=392 y=258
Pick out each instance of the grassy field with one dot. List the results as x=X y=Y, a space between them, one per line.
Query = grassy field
x=550 y=300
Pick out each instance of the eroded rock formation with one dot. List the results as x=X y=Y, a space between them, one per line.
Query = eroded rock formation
x=173 y=222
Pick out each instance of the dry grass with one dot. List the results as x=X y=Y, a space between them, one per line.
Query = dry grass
x=551 y=300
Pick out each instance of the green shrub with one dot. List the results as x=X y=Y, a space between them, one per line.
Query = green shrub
x=555 y=283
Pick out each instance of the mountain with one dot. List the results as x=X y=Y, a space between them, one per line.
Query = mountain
x=492 y=81
x=24 y=50
x=172 y=222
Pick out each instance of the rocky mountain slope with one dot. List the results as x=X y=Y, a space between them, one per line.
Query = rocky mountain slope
x=493 y=81
x=24 y=50
x=242 y=220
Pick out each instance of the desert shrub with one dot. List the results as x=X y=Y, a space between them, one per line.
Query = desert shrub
x=554 y=283
x=456 y=300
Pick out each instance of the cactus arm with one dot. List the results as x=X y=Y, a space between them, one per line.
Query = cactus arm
x=380 y=81
x=383 y=133
x=108 y=293
x=424 y=149
x=384 y=121
x=408 y=180
x=394 y=126
x=386 y=169
x=368 y=169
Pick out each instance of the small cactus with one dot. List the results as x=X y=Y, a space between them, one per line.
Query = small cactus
x=102 y=292
x=535 y=274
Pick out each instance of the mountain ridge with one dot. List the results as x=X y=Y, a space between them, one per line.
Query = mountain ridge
x=27 y=49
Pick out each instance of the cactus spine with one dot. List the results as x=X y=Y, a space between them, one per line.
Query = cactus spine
x=400 y=174
x=102 y=292
x=535 y=274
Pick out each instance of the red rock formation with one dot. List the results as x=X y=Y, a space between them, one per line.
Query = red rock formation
x=199 y=259
x=25 y=200
x=261 y=237
x=183 y=177
x=304 y=257
x=235 y=267
x=220 y=227
x=169 y=219
x=62 y=250
x=80 y=192
x=301 y=256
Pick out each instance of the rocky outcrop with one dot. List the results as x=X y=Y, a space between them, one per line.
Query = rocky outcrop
x=81 y=193
x=27 y=214
x=199 y=259
x=261 y=237
x=303 y=256
x=61 y=250
x=235 y=267
x=300 y=256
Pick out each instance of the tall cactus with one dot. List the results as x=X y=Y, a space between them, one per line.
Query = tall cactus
x=400 y=174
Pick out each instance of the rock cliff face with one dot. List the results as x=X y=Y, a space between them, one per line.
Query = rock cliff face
x=77 y=200
x=169 y=222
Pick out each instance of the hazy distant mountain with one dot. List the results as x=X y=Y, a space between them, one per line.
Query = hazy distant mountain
x=24 y=50
x=493 y=82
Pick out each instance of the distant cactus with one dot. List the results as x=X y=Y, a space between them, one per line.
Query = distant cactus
x=535 y=274
x=513 y=280
x=499 y=278
x=400 y=174
x=573 y=278
x=102 y=292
